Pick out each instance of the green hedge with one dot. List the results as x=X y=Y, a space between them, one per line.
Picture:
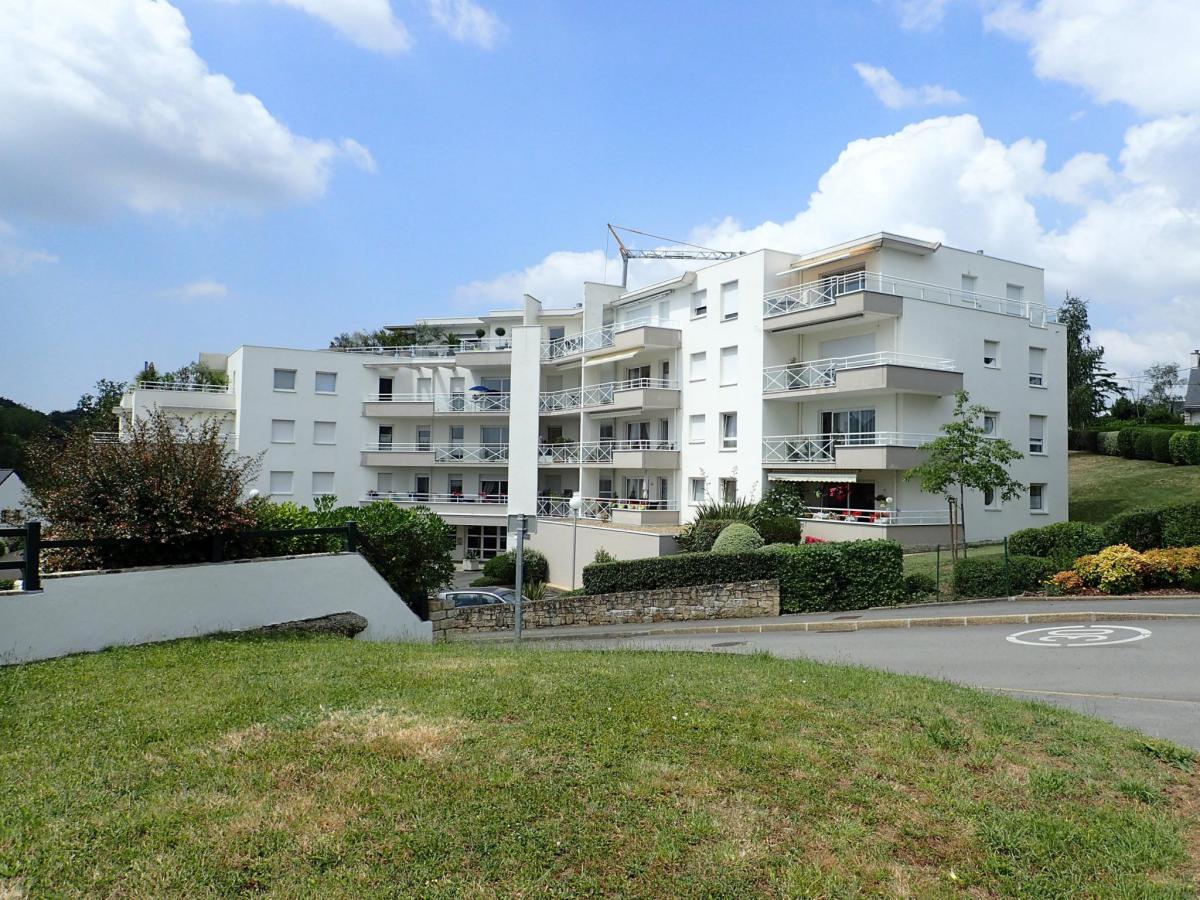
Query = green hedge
x=1160 y=442
x=1141 y=529
x=1185 y=448
x=698 y=537
x=1143 y=443
x=680 y=570
x=872 y=573
x=1181 y=526
x=919 y=585
x=984 y=576
x=1125 y=438
x=502 y=568
x=1062 y=542
x=1108 y=443
x=780 y=529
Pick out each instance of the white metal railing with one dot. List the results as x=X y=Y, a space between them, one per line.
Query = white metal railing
x=806 y=448
x=446 y=453
x=434 y=351
x=816 y=373
x=599 y=394
x=878 y=516
x=825 y=291
x=553 y=401
x=399 y=398
x=600 y=507
x=598 y=338
x=415 y=497
x=477 y=402
x=484 y=345
x=582 y=452
x=121 y=437
x=182 y=386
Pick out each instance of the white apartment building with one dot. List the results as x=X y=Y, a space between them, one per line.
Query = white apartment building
x=829 y=369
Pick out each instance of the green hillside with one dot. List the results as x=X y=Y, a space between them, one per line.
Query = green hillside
x=1102 y=486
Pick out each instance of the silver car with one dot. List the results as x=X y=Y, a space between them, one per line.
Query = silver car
x=479 y=596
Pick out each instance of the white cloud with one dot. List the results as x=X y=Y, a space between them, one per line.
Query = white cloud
x=467 y=21
x=921 y=15
x=1137 y=52
x=107 y=106
x=367 y=23
x=200 y=290
x=894 y=95
x=15 y=258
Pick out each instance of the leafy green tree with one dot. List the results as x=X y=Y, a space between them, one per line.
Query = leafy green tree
x=96 y=409
x=964 y=458
x=418 y=335
x=1089 y=382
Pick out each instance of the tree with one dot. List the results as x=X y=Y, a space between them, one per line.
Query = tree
x=164 y=482
x=964 y=458
x=1089 y=383
x=96 y=410
x=419 y=335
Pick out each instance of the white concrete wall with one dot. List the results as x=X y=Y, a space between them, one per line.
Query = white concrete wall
x=554 y=540
x=88 y=612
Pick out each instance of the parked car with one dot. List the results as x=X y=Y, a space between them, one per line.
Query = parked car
x=480 y=596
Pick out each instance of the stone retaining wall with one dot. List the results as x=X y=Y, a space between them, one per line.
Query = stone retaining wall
x=742 y=599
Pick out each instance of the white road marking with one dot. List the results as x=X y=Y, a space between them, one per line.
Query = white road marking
x=1079 y=635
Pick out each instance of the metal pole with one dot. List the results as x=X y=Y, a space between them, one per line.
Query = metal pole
x=1007 y=577
x=937 y=561
x=520 y=575
x=574 y=546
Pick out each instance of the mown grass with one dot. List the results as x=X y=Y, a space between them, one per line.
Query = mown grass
x=1102 y=486
x=310 y=767
x=927 y=563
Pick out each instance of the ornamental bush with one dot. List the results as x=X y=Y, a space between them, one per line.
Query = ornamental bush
x=699 y=536
x=1108 y=443
x=1140 y=529
x=680 y=570
x=1062 y=542
x=985 y=576
x=1143 y=443
x=737 y=537
x=1125 y=438
x=810 y=577
x=1181 y=525
x=1118 y=569
x=1185 y=448
x=919 y=586
x=502 y=568
x=1160 y=441
x=780 y=530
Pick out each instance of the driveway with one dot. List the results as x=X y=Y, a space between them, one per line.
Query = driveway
x=1142 y=674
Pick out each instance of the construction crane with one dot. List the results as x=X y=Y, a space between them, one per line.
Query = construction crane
x=683 y=251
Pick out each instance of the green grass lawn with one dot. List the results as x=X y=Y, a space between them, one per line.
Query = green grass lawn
x=320 y=767
x=1102 y=486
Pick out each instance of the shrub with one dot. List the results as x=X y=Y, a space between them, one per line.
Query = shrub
x=985 y=576
x=1160 y=442
x=482 y=581
x=535 y=591
x=680 y=570
x=738 y=510
x=918 y=585
x=1140 y=529
x=698 y=537
x=1118 y=569
x=1062 y=542
x=872 y=574
x=1109 y=443
x=502 y=568
x=1125 y=438
x=1143 y=443
x=603 y=556
x=810 y=577
x=1064 y=583
x=737 y=537
x=783 y=499
x=780 y=530
x=1192 y=443
x=1183 y=447
x=1181 y=526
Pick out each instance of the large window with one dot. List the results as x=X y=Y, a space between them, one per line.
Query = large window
x=283 y=431
x=729 y=365
x=729 y=301
x=1037 y=434
x=487 y=540
x=699 y=304
x=285 y=379
x=729 y=431
x=324 y=432
x=698 y=366
x=326 y=383
x=849 y=422
x=424 y=438
x=322 y=484
x=696 y=490
x=1037 y=367
x=281 y=483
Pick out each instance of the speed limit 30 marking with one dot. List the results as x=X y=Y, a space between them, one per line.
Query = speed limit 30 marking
x=1079 y=635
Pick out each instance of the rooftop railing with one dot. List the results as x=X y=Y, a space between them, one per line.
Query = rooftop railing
x=598 y=338
x=825 y=292
x=182 y=386
x=818 y=373
x=821 y=448
x=433 y=351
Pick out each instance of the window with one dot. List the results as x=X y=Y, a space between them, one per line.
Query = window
x=322 y=484
x=324 y=432
x=425 y=387
x=1014 y=292
x=855 y=426
x=728 y=490
x=991 y=424
x=1037 y=498
x=385 y=437
x=696 y=490
x=729 y=301
x=285 y=379
x=991 y=500
x=556 y=332
x=326 y=383
x=605 y=487
x=283 y=431
x=991 y=354
x=421 y=486
x=424 y=437
x=456 y=435
x=1037 y=365
x=1037 y=434
x=664 y=371
x=454 y=485
x=729 y=373
x=729 y=431
x=968 y=286
x=281 y=482
x=487 y=540
x=698 y=366
x=637 y=373
x=696 y=429
x=699 y=304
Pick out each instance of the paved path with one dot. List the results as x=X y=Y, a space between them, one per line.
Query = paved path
x=1150 y=682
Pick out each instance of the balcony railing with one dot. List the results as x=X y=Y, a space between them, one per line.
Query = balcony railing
x=182 y=386
x=493 y=401
x=880 y=517
x=820 y=448
x=583 y=452
x=825 y=291
x=599 y=394
x=118 y=437
x=470 y=453
x=597 y=338
x=434 y=351
x=599 y=507
x=412 y=497
x=820 y=373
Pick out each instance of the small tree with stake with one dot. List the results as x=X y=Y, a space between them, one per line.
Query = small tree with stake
x=964 y=458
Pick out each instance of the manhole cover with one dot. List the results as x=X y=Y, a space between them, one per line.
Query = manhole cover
x=1079 y=635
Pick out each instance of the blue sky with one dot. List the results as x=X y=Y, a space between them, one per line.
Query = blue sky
x=371 y=162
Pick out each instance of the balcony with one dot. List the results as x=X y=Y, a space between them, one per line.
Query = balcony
x=394 y=454
x=869 y=450
x=174 y=395
x=627 y=512
x=641 y=454
x=480 y=352
x=635 y=334
x=422 y=406
x=398 y=406
x=909 y=528
x=458 y=509
x=884 y=372
x=872 y=295
x=613 y=396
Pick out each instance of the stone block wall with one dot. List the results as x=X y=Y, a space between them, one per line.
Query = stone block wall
x=743 y=599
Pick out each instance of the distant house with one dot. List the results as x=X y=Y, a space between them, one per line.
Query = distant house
x=1191 y=400
x=12 y=494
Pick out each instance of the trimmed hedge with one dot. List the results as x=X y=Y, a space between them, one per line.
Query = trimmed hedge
x=737 y=537
x=1108 y=443
x=1160 y=442
x=810 y=576
x=780 y=529
x=1181 y=526
x=1062 y=542
x=1143 y=444
x=918 y=585
x=984 y=576
x=698 y=537
x=502 y=568
x=1185 y=448
x=680 y=570
x=872 y=573
x=1125 y=439
x=1141 y=529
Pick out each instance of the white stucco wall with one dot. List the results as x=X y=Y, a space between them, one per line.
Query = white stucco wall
x=88 y=612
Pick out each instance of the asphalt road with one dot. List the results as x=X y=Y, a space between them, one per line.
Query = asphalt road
x=1147 y=681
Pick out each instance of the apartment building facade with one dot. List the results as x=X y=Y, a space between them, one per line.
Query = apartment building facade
x=827 y=369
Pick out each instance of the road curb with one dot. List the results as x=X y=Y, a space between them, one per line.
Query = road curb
x=858 y=625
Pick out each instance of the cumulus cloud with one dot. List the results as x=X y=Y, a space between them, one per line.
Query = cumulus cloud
x=200 y=290
x=368 y=23
x=921 y=15
x=15 y=258
x=467 y=21
x=106 y=106
x=894 y=95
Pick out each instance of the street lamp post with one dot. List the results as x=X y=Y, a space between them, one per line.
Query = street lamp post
x=575 y=503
